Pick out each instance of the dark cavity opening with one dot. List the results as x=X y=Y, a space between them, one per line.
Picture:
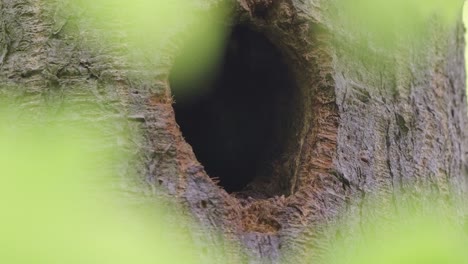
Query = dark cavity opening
x=239 y=118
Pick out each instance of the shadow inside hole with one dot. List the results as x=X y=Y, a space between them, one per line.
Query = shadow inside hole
x=238 y=117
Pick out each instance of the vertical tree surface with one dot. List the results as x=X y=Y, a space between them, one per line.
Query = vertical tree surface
x=306 y=121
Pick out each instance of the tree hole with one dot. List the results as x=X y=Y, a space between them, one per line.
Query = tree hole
x=241 y=118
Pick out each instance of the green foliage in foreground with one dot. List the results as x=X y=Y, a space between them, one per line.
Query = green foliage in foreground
x=59 y=206
x=59 y=200
x=409 y=239
x=390 y=22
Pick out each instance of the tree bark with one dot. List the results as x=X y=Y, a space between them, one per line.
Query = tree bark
x=362 y=127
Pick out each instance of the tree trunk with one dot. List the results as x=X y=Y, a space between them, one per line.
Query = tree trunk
x=347 y=128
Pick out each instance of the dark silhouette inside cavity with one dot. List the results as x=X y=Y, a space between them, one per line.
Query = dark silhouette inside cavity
x=237 y=117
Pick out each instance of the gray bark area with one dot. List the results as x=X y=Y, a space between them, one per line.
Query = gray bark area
x=378 y=126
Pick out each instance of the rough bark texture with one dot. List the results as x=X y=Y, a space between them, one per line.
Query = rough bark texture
x=364 y=127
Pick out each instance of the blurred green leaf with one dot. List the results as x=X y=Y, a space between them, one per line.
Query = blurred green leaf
x=391 y=21
x=61 y=206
